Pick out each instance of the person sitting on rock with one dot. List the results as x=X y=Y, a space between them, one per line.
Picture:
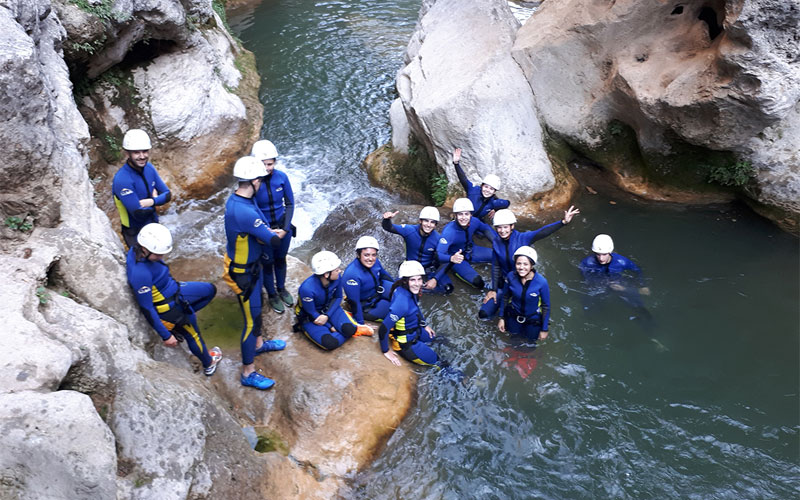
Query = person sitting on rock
x=404 y=322
x=507 y=242
x=169 y=306
x=319 y=312
x=248 y=236
x=525 y=298
x=608 y=271
x=457 y=246
x=482 y=196
x=137 y=187
x=366 y=283
x=276 y=201
x=421 y=240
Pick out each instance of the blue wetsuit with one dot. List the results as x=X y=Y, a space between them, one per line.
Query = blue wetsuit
x=167 y=305
x=314 y=300
x=599 y=277
x=422 y=248
x=503 y=258
x=405 y=317
x=367 y=290
x=525 y=307
x=482 y=205
x=248 y=237
x=455 y=238
x=131 y=185
x=276 y=201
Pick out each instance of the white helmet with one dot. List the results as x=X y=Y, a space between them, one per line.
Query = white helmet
x=136 y=140
x=528 y=252
x=155 y=238
x=367 y=242
x=602 y=244
x=410 y=268
x=324 y=262
x=248 y=168
x=429 y=213
x=264 y=150
x=492 y=180
x=463 y=205
x=504 y=216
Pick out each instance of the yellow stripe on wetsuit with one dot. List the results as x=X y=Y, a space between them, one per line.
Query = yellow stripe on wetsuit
x=159 y=297
x=123 y=213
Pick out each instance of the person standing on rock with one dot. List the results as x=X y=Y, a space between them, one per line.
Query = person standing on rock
x=276 y=201
x=457 y=245
x=404 y=325
x=481 y=195
x=319 y=312
x=366 y=283
x=137 y=187
x=167 y=305
x=421 y=240
x=507 y=242
x=248 y=237
x=525 y=298
x=608 y=271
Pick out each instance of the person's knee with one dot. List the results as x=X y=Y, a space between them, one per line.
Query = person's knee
x=348 y=329
x=448 y=288
x=482 y=314
x=329 y=342
x=477 y=282
x=213 y=290
x=280 y=261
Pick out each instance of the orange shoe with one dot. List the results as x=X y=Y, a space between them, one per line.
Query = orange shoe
x=363 y=330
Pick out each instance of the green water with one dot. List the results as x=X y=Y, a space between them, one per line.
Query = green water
x=701 y=402
x=221 y=323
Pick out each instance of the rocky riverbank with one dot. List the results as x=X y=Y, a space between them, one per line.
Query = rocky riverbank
x=92 y=405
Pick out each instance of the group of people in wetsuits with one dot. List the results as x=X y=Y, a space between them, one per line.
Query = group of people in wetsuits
x=333 y=304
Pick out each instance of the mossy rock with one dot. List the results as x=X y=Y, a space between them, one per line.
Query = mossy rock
x=409 y=176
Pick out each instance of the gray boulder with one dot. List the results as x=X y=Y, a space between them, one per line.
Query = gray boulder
x=460 y=87
x=55 y=446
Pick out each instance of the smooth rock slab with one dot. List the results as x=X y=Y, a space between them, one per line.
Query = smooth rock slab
x=55 y=446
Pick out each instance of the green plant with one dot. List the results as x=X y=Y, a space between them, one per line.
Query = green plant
x=18 y=223
x=113 y=148
x=616 y=128
x=103 y=9
x=736 y=174
x=439 y=185
x=42 y=294
x=88 y=47
x=219 y=8
x=192 y=21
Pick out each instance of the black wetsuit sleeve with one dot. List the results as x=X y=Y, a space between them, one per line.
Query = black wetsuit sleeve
x=462 y=178
x=387 y=225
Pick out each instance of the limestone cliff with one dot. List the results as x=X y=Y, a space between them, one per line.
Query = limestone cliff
x=86 y=410
x=679 y=101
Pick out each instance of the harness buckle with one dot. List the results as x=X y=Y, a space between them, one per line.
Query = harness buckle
x=379 y=289
x=521 y=319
